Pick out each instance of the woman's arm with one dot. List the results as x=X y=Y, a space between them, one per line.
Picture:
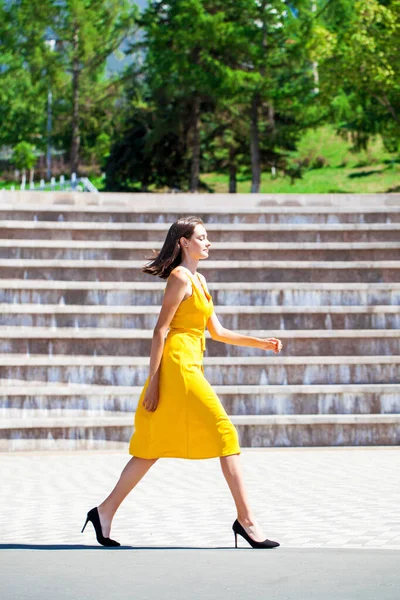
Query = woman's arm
x=221 y=334
x=174 y=293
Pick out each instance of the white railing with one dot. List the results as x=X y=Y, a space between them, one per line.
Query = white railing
x=75 y=184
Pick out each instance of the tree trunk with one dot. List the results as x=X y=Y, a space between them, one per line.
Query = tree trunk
x=195 y=145
x=316 y=76
x=315 y=63
x=232 y=171
x=271 y=117
x=76 y=137
x=255 y=147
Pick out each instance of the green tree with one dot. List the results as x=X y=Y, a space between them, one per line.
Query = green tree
x=85 y=95
x=362 y=73
x=218 y=72
x=281 y=89
x=149 y=151
x=89 y=32
x=225 y=142
x=25 y=67
x=24 y=157
x=188 y=42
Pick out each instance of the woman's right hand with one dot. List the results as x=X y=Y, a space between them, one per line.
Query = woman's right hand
x=150 y=401
x=271 y=344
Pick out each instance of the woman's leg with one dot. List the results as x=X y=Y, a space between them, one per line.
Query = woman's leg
x=232 y=470
x=132 y=473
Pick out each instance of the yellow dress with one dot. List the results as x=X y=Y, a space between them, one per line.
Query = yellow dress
x=189 y=421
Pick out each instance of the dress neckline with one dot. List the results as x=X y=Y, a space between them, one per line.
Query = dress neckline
x=204 y=295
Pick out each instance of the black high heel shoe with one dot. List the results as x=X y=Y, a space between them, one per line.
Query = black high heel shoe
x=93 y=516
x=238 y=529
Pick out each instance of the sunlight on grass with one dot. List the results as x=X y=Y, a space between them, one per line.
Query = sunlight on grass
x=368 y=172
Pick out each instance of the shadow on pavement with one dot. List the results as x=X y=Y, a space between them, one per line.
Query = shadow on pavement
x=122 y=547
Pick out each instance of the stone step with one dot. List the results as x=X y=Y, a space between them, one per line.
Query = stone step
x=121 y=419
x=182 y=199
x=221 y=270
x=129 y=251
x=217 y=232
x=30 y=398
x=150 y=293
x=137 y=342
x=155 y=202
x=232 y=317
x=277 y=216
x=368 y=208
x=254 y=431
x=239 y=370
x=322 y=273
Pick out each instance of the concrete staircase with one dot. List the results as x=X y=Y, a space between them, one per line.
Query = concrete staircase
x=322 y=273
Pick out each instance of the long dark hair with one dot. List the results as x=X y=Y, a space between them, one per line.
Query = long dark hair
x=170 y=255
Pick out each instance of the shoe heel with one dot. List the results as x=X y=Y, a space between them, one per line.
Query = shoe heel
x=87 y=520
x=93 y=517
x=238 y=529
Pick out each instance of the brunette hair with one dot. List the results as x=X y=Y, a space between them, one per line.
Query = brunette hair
x=170 y=255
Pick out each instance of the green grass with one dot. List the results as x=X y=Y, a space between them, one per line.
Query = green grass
x=371 y=171
x=324 y=142
x=328 y=180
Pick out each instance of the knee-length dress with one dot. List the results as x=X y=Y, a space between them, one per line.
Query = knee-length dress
x=189 y=421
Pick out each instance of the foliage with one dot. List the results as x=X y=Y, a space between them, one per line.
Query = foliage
x=230 y=86
x=362 y=76
x=24 y=156
x=85 y=95
x=205 y=63
x=102 y=147
x=23 y=68
x=147 y=153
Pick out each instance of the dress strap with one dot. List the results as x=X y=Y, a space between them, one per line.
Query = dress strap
x=191 y=277
x=204 y=294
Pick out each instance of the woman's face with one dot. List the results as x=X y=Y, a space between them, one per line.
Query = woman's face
x=197 y=246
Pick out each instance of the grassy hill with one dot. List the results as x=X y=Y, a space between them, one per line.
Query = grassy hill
x=371 y=171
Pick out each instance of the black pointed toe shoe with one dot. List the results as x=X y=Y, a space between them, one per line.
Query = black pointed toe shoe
x=238 y=529
x=93 y=516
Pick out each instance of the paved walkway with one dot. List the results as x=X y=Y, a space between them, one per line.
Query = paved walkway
x=335 y=512
x=303 y=497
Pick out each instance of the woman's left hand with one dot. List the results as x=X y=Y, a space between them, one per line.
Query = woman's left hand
x=272 y=344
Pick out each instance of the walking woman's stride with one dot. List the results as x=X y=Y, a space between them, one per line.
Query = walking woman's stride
x=178 y=414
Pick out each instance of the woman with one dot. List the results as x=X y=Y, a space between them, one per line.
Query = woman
x=178 y=413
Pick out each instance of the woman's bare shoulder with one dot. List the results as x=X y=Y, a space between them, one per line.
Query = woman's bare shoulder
x=178 y=274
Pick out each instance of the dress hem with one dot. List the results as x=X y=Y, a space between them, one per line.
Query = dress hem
x=186 y=457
